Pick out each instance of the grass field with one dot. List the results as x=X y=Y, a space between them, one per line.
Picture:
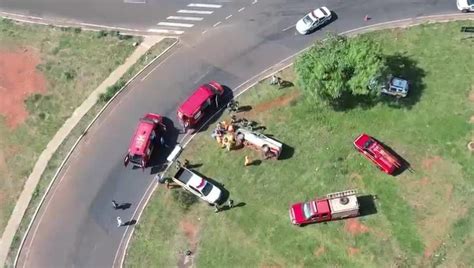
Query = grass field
x=424 y=218
x=71 y=64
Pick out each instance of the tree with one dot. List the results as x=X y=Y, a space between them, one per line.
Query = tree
x=339 y=68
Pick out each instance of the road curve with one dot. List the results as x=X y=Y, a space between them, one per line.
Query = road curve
x=76 y=225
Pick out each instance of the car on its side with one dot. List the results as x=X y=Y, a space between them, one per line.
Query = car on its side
x=465 y=5
x=313 y=20
x=198 y=186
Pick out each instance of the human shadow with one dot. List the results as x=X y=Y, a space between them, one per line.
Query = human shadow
x=158 y=161
x=244 y=108
x=286 y=84
x=130 y=222
x=124 y=206
x=227 y=207
x=213 y=112
x=404 y=164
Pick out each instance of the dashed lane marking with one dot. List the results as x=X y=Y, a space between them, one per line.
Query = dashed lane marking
x=184 y=18
x=287 y=28
x=204 y=5
x=228 y=17
x=217 y=23
x=164 y=31
x=240 y=10
x=173 y=24
x=186 y=11
x=134 y=1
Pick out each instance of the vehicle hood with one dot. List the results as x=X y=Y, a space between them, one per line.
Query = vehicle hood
x=318 y=13
x=296 y=211
x=214 y=195
x=301 y=26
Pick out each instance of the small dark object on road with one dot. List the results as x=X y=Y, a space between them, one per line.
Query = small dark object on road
x=115 y=204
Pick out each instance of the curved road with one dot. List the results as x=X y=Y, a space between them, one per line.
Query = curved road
x=76 y=225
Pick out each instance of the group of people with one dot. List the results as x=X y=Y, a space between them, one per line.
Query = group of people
x=224 y=134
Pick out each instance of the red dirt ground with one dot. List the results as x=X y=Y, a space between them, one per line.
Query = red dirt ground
x=353 y=251
x=354 y=227
x=190 y=230
x=319 y=251
x=429 y=163
x=18 y=79
x=278 y=102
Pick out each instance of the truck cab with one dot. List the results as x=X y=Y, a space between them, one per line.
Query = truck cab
x=375 y=152
x=193 y=109
x=148 y=133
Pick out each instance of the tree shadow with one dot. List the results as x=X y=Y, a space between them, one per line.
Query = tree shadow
x=213 y=113
x=407 y=68
x=399 y=65
x=404 y=164
x=158 y=161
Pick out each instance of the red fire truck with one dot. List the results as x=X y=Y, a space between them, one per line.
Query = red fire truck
x=375 y=152
x=148 y=134
x=334 y=206
x=192 y=110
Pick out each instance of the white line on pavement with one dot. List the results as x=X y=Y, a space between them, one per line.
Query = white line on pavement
x=228 y=17
x=163 y=31
x=204 y=5
x=173 y=24
x=184 y=18
x=203 y=32
x=217 y=23
x=187 y=11
x=241 y=9
x=287 y=28
x=254 y=2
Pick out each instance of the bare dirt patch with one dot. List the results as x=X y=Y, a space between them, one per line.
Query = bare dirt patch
x=354 y=227
x=471 y=94
x=284 y=100
x=352 y=251
x=269 y=266
x=18 y=79
x=319 y=251
x=191 y=232
x=472 y=119
x=429 y=163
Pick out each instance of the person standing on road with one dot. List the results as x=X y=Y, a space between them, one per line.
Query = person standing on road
x=119 y=222
x=115 y=204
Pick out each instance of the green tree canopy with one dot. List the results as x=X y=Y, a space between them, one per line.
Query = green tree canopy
x=338 y=67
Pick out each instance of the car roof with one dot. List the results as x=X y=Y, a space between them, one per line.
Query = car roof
x=197 y=181
x=193 y=104
x=141 y=138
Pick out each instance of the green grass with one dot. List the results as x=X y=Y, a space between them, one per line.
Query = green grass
x=424 y=218
x=67 y=144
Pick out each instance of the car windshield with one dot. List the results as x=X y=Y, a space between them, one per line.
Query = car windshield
x=308 y=211
x=307 y=20
x=206 y=189
x=368 y=143
x=470 y=2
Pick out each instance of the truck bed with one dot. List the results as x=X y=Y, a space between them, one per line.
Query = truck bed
x=183 y=175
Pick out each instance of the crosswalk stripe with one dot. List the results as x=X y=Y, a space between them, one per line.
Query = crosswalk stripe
x=173 y=24
x=204 y=5
x=163 y=31
x=207 y=12
x=184 y=18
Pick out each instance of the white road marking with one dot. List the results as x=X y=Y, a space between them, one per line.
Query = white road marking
x=287 y=28
x=107 y=27
x=217 y=23
x=254 y=2
x=204 y=5
x=187 y=11
x=184 y=18
x=173 y=24
x=154 y=68
x=228 y=17
x=23 y=16
x=203 y=32
x=241 y=9
x=163 y=31
x=134 y=1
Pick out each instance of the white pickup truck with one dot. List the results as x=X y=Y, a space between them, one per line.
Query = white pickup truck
x=465 y=5
x=270 y=147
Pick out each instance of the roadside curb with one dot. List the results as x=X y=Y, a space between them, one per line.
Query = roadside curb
x=43 y=160
x=283 y=64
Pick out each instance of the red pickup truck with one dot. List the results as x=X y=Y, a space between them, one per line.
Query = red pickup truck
x=193 y=109
x=375 y=152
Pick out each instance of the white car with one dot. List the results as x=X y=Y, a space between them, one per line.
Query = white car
x=197 y=185
x=313 y=20
x=465 y=5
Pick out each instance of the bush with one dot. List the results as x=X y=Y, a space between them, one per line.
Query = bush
x=184 y=198
x=111 y=91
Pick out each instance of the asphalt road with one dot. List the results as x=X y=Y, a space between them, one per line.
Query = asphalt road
x=76 y=225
